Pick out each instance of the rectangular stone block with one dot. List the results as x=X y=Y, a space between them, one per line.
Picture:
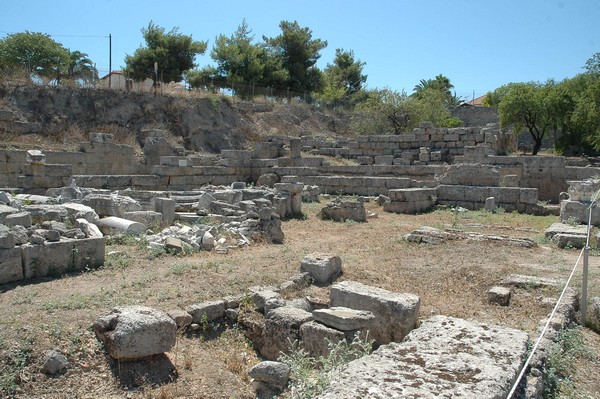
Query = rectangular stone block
x=395 y=314
x=50 y=258
x=11 y=267
x=88 y=253
x=451 y=193
x=412 y=194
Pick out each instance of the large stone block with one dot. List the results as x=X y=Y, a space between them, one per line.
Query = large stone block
x=444 y=357
x=207 y=311
x=323 y=268
x=51 y=258
x=315 y=338
x=282 y=330
x=135 y=332
x=413 y=194
x=11 y=268
x=88 y=253
x=395 y=314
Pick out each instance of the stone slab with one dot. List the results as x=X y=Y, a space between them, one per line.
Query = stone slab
x=344 y=319
x=445 y=357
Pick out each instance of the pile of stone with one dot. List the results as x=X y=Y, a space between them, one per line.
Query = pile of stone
x=576 y=208
x=40 y=239
x=567 y=235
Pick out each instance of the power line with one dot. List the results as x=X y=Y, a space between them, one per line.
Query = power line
x=49 y=34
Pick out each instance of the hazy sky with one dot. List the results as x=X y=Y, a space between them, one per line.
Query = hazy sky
x=479 y=45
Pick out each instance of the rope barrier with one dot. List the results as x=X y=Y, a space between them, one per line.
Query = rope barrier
x=537 y=343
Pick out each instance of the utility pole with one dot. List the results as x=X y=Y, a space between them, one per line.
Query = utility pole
x=109 y=59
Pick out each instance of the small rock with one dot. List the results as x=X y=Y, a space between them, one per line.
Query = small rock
x=36 y=239
x=499 y=296
x=54 y=362
x=52 y=235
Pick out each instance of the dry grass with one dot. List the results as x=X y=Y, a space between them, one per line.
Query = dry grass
x=451 y=279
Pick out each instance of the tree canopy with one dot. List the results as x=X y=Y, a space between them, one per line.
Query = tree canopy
x=440 y=84
x=298 y=53
x=343 y=80
x=36 y=53
x=172 y=52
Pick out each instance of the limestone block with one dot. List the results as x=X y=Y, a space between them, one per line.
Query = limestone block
x=261 y=295
x=444 y=357
x=499 y=296
x=565 y=240
x=150 y=219
x=135 y=332
x=89 y=229
x=47 y=259
x=228 y=196
x=490 y=204
x=6 y=210
x=111 y=205
x=579 y=212
x=11 y=268
x=18 y=219
x=384 y=159
x=180 y=317
x=344 y=319
x=564 y=228
x=412 y=194
x=528 y=195
x=207 y=311
x=274 y=374
x=451 y=193
x=322 y=267
x=282 y=330
x=7 y=239
x=88 y=253
x=166 y=207
x=314 y=338
x=35 y=157
x=395 y=314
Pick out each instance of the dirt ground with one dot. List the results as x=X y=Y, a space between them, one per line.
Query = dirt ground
x=451 y=279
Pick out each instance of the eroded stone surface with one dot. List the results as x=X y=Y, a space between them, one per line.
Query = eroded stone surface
x=134 y=332
x=444 y=357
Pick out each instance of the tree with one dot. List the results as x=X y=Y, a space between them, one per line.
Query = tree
x=241 y=63
x=526 y=105
x=81 y=68
x=172 y=52
x=37 y=53
x=593 y=64
x=440 y=84
x=297 y=52
x=343 y=80
x=382 y=112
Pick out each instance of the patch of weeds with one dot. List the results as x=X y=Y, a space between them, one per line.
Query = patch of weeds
x=562 y=356
x=179 y=269
x=310 y=376
x=13 y=365
x=350 y=222
x=72 y=302
x=499 y=210
x=572 y=221
x=118 y=260
x=155 y=252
